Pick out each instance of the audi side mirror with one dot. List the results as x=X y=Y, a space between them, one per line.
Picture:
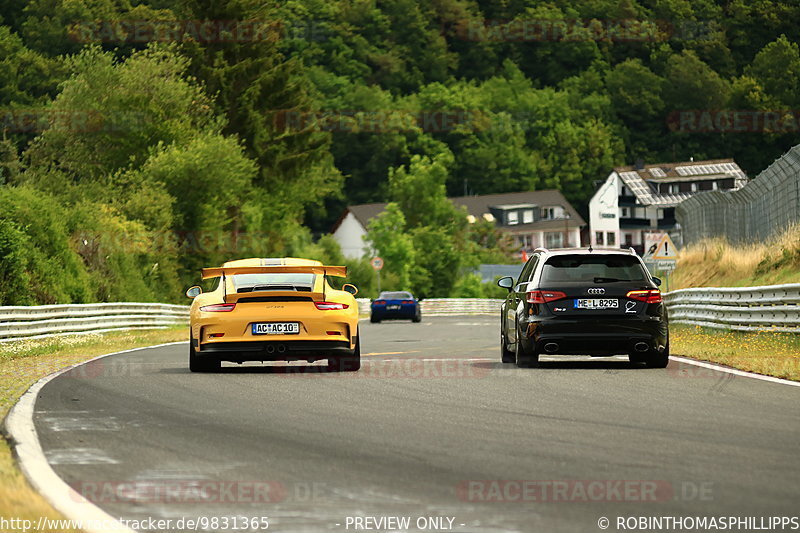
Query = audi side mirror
x=506 y=282
x=657 y=281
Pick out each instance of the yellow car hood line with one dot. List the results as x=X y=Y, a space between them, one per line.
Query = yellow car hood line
x=338 y=271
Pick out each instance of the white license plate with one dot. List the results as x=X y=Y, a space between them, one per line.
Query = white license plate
x=276 y=328
x=392 y=307
x=597 y=303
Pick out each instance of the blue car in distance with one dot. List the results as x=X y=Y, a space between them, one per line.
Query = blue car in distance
x=395 y=305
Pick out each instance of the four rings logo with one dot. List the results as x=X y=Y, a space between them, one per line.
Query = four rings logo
x=596 y=290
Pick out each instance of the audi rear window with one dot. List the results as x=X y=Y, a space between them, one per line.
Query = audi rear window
x=593 y=268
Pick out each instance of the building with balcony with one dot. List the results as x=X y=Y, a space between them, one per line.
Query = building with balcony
x=531 y=218
x=634 y=200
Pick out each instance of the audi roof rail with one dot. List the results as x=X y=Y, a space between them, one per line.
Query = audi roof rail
x=541 y=249
x=632 y=251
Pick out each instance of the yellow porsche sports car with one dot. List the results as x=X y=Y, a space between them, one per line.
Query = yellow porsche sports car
x=274 y=310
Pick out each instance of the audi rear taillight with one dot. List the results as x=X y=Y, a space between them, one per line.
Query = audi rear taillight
x=540 y=297
x=330 y=306
x=650 y=296
x=218 y=308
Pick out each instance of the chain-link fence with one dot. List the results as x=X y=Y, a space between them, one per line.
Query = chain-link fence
x=767 y=204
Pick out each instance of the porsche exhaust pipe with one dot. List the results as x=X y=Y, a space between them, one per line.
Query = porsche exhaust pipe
x=270 y=348
x=641 y=347
x=551 y=347
x=281 y=348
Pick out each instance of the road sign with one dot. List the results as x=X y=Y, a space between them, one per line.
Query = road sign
x=665 y=251
x=377 y=263
x=662 y=265
x=651 y=242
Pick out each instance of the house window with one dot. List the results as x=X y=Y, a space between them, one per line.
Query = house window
x=548 y=213
x=694 y=187
x=553 y=239
x=513 y=218
x=611 y=238
x=625 y=212
x=527 y=216
x=628 y=239
x=598 y=237
x=525 y=242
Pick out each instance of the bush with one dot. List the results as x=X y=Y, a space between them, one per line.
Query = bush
x=43 y=266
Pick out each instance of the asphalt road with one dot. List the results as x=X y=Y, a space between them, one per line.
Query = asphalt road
x=432 y=426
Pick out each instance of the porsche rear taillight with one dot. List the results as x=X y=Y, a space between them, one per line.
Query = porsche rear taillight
x=650 y=296
x=330 y=306
x=540 y=297
x=218 y=308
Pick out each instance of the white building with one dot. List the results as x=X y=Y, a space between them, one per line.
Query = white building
x=532 y=218
x=636 y=200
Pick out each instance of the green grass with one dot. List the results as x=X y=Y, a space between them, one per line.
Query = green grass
x=768 y=353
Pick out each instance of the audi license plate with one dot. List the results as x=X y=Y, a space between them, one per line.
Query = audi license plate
x=597 y=303
x=276 y=328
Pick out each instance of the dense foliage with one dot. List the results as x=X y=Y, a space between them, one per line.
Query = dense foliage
x=135 y=152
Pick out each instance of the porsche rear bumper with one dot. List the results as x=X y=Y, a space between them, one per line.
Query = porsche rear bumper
x=274 y=350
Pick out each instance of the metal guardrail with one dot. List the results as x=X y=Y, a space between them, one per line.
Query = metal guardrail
x=764 y=308
x=27 y=322
x=447 y=306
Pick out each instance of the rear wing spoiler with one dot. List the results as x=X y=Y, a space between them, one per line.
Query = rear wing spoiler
x=337 y=271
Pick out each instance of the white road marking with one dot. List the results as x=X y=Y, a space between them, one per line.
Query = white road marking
x=72 y=423
x=734 y=371
x=34 y=465
x=79 y=456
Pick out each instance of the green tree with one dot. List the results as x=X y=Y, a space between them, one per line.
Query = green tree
x=689 y=83
x=420 y=192
x=777 y=69
x=110 y=114
x=387 y=237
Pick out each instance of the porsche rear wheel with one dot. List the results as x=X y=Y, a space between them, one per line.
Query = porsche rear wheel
x=347 y=363
x=200 y=364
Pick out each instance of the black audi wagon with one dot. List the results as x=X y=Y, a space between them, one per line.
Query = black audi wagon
x=597 y=302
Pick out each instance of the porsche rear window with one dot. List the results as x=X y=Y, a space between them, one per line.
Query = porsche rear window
x=249 y=282
x=586 y=268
